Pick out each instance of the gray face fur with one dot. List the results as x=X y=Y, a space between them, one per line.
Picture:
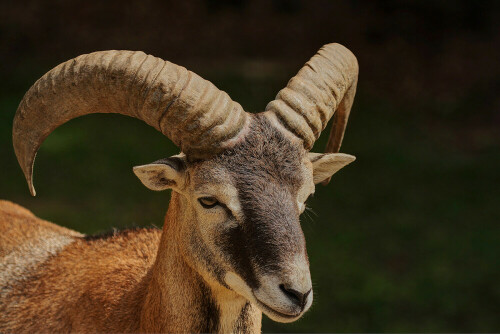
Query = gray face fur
x=266 y=169
x=251 y=241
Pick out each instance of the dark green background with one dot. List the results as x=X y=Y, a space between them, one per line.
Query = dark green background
x=404 y=239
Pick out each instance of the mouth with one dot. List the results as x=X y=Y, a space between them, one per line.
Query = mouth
x=237 y=284
x=272 y=311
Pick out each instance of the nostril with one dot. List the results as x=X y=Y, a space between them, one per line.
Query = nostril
x=292 y=294
x=297 y=297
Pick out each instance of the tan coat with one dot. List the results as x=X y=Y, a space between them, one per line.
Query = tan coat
x=55 y=280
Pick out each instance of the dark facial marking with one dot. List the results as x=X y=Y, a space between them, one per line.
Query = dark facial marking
x=205 y=256
x=272 y=226
x=209 y=322
x=234 y=243
x=243 y=322
x=266 y=168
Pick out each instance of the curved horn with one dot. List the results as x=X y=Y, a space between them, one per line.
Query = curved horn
x=192 y=112
x=323 y=88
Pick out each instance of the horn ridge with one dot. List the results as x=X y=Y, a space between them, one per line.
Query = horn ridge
x=325 y=86
x=130 y=83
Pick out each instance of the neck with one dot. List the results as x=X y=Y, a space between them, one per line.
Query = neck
x=178 y=299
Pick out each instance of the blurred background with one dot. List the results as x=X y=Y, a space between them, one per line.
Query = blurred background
x=405 y=239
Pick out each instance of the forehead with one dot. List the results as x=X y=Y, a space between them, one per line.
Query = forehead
x=265 y=154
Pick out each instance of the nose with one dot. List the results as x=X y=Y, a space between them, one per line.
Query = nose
x=297 y=297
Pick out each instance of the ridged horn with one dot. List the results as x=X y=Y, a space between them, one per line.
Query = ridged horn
x=190 y=111
x=323 y=88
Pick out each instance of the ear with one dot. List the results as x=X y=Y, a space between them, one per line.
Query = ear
x=327 y=164
x=163 y=174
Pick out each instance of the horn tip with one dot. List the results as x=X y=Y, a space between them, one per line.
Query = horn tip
x=28 y=173
x=32 y=189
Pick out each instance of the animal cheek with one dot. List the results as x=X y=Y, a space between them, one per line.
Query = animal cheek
x=233 y=243
x=208 y=218
x=228 y=224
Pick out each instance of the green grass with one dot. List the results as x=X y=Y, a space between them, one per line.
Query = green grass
x=404 y=239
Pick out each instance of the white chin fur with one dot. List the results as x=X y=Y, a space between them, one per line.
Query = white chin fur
x=269 y=300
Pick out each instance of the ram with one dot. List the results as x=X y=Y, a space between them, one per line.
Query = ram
x=231 y=247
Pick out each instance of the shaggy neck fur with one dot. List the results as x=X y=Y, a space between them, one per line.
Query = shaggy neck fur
x=178 y=299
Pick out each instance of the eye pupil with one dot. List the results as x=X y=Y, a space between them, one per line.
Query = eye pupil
x=208 y=202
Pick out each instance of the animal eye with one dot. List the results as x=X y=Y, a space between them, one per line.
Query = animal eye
x=208 y=202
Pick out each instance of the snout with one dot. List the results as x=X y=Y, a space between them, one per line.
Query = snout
x=284 y=300
x=285 y=297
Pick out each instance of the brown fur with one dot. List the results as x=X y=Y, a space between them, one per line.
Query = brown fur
x=110 y=284
x=91 y=286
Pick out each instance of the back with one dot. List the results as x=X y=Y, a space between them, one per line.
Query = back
x=54 y=279
x=25 y=242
